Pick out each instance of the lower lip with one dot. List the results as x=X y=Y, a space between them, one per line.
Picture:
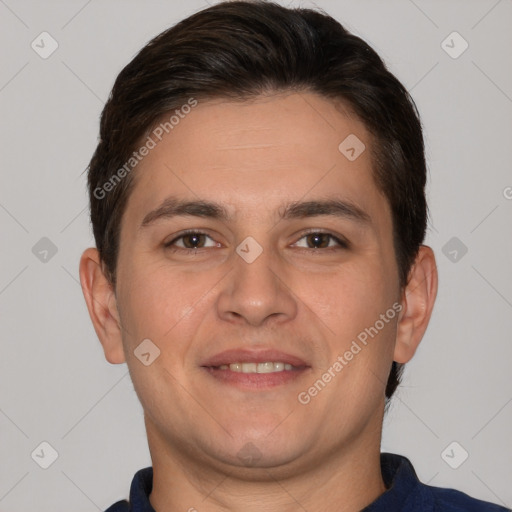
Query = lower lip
x=256 y=380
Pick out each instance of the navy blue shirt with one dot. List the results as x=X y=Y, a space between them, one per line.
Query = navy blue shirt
x=405 y=493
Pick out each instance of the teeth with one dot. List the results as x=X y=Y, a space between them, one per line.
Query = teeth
x=268 y=367
x=248 y=367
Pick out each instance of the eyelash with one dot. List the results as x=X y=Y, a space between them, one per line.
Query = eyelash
x=342 y=244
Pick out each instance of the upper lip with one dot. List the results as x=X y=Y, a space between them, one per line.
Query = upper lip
x=253 y=356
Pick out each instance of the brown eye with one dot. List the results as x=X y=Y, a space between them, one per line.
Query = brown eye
x=321 y=240
x=191 y=241
x=318 y=240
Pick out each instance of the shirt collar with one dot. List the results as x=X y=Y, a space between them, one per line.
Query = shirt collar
x=403 y=487
x=142 y=485
x=398 y=474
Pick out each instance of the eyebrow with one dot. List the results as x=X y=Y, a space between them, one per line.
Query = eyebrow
x=174 y=207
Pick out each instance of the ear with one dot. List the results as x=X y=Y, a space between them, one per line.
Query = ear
x=418 y=300
x=102 y=305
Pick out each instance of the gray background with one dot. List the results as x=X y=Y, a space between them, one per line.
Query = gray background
x=55 y=384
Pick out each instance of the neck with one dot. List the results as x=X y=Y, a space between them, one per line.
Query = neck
x=346 y=480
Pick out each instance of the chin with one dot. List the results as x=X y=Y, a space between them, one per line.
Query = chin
x=257 y=451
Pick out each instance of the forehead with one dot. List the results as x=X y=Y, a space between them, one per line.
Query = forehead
x=275 y=149
x=266 y=130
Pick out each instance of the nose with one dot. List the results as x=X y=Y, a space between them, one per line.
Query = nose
x=256 y=291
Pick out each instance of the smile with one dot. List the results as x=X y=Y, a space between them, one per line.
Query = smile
x=267 y=367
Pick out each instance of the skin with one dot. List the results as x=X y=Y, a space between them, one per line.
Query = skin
x=253 y=157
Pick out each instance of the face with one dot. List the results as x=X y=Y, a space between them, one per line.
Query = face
x=259 y=312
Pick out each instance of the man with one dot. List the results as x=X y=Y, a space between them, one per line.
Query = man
x=257 y=201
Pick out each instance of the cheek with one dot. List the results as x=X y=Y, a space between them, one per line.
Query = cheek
x=163 y=307
x=163 y=304
x=351 y=303
x=356 y=292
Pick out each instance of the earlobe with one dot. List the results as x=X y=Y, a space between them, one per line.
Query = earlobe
x=102 y=305
x=418 y=299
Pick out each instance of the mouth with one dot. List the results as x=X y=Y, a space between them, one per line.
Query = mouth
x=258 y=370
x=266 y=367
